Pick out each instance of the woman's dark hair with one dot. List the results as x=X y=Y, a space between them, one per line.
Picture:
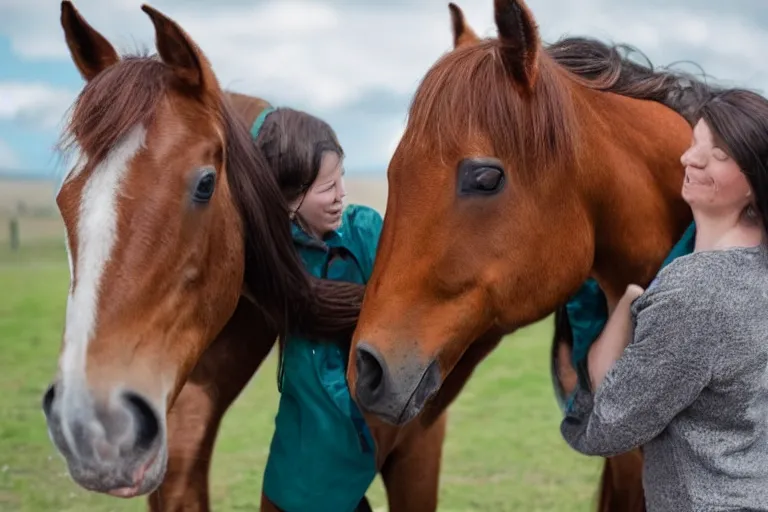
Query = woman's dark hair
x=293 y=142
x=738 y=119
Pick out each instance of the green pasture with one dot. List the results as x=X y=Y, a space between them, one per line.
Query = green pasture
x=503 y=451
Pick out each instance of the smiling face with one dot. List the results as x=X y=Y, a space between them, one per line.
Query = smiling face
x=320 y=208
x=714 y=183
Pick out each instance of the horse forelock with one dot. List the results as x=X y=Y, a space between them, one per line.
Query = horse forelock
x=120 y=98
x=469 y=93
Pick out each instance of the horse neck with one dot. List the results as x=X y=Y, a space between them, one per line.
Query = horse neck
x=247 y=107
x=631 y=160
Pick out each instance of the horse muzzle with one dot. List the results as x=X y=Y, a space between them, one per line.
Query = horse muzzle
x=396 y=394
x=114 y=446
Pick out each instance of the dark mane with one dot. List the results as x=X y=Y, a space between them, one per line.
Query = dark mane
x=610 y=68
x=127 y=94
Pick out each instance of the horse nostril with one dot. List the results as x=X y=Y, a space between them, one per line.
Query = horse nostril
x=48 y=397
x=371 y=376
x=147 y=424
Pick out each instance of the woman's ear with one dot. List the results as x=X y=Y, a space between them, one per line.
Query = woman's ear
x=296 y=203
x=293 y=208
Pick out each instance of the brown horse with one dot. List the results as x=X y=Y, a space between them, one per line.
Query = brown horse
x=183 y=274
x=523 y=171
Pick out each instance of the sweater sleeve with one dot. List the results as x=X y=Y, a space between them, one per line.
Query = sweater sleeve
x=660 y=373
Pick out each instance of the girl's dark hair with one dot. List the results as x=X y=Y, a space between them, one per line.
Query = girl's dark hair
x=293 y=142
x=738 y=119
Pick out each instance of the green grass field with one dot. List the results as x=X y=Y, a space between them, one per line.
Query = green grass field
x=503 y=451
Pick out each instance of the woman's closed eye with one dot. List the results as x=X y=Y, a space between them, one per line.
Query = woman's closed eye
x=719 y=154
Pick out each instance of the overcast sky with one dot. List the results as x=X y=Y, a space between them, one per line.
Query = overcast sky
x=354 y=63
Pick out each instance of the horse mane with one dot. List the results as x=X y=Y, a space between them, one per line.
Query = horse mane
x=610 y=68
x=128 y=94
x=468 y=90
x=274 y=272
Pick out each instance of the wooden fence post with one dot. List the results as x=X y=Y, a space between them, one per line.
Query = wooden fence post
x=14 y=227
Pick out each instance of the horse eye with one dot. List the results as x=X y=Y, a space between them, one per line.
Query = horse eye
x=488 y=179
x=205 y=186
x=483 y=176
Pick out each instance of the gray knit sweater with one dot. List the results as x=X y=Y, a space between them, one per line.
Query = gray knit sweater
x=691 y=389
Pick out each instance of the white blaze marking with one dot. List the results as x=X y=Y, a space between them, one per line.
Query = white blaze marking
x=96 y=235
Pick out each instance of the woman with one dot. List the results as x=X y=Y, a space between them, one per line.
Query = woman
x=681 y=369
x=322 y=453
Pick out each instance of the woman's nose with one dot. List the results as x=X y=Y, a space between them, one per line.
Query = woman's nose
x=684 y=159
x=689 y=158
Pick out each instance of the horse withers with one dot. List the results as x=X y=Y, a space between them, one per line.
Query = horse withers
x=183 y=274
x=524 y=169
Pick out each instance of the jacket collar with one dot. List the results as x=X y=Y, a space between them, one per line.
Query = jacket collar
x=301 y=237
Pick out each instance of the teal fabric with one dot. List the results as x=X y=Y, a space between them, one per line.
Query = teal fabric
x=322 y=453
x=259 y=122
x=587 y=310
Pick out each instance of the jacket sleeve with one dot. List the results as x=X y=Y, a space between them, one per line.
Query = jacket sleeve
x=660 y=373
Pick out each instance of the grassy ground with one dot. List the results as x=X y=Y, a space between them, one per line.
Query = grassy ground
x=503 y=451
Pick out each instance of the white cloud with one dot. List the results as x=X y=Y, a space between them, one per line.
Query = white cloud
x=329 y=56
x=35 y=104
x=8 y=157
x=320 y=55
x=395 y=140
x=324 y=55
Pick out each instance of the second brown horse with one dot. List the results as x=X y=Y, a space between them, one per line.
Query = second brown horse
x=523 y=170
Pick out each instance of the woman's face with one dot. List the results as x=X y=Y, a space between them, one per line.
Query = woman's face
x=714 y=183
x=322 y=204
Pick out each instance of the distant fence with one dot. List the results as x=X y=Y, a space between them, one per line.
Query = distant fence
x=13 y=234
x=30 y=232
x=29 y=218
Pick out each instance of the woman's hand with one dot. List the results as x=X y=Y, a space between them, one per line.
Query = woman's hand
x=632 y=292
x=616 y=335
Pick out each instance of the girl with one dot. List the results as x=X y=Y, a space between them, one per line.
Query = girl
x=322 y=453
x=691 y=387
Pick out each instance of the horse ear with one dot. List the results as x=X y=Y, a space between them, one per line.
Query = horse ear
x=178 y=51
x=90 y=51
x=463 y=35
x=519 y=36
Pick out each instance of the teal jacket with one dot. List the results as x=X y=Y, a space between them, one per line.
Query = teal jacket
x=322 y=453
